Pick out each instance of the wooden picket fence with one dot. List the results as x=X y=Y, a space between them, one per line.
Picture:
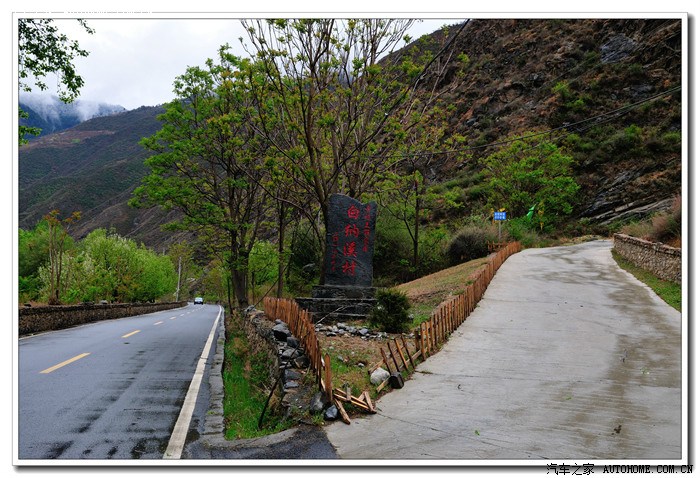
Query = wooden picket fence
x=495 y=246
x=301 y=325
x=444 y=319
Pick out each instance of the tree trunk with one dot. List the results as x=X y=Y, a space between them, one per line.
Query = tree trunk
x=280 y=250
x=416 y=223
x=240 y=287
x=322 y=239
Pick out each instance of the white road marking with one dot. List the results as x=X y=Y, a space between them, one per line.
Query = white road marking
x=179 y=435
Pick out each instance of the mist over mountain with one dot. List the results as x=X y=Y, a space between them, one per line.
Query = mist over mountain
x=52 y=115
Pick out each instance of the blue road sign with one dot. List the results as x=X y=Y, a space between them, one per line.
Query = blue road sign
x=499 y=216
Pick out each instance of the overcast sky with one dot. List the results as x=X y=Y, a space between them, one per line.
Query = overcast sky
x=133 y=61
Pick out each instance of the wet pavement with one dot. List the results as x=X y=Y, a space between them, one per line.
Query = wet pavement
x=118 y=395
x=566 y=357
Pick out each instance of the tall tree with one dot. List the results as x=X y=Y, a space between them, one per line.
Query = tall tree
x=208 y=164
x=339 y=97
x=59 y=240
x=43 y=50
x=531 y=171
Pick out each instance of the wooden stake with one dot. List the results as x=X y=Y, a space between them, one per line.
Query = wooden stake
x=398 y=349
x=386 y=362
x=403 y=339
x=341 y=409
x=328 y=378
x=393 y=358
x=368 y=400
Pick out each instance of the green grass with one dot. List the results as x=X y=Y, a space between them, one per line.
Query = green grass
x=427 y=292
x=670 y=292
x=243 y=401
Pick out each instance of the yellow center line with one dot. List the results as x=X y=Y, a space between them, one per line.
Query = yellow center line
x=130 y=334
x=158 y=323
x=56 y=367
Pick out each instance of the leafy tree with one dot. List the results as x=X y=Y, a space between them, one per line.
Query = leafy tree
x=208 y=164
x=157 y=276
x=404 y=191
x=331 y=109
x=59 y=241
x=33 y=253
x=530 y=171
x=264 y=263
x=44 y=50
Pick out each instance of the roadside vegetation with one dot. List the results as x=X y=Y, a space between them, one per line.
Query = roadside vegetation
x=245 y=377
x=250 y=150
x=56 y=269
x=663 y=227
x=670 y=292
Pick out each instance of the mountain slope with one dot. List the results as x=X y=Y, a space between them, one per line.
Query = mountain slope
x=574 y=78
x=92 y=168
x=51 y=115
x=545 y=75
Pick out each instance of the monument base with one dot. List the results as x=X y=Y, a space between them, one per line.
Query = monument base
x=335 y=303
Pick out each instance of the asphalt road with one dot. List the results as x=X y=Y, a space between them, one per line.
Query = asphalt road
x=566 y=357
x=109 y=390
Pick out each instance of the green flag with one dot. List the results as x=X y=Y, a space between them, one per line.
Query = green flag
x=530 y=212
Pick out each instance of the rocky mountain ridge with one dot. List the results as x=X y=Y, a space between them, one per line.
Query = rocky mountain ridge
x=608 y=90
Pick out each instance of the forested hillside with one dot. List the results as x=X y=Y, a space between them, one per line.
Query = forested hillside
x=606 y=91
x=93 y=168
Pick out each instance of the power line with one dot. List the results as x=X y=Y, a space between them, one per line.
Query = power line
x=613 y=115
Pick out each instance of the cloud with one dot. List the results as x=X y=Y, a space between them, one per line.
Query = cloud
x=134 y=61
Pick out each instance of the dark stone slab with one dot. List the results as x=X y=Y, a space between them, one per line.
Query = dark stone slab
x=342 y=292
x=349 y=241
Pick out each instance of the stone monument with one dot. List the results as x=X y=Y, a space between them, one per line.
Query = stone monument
x=347 y=293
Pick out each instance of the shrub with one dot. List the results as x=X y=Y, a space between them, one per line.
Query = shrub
x=523 y=230
x=562 y=89
x=667 y=226
x=471 y=242
x=642 y=230
x=391 y=312
x=305 y=259
x=393 y=250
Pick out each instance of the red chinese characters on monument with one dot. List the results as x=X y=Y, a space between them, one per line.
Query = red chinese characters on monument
x=349 y=241
x=350 y=247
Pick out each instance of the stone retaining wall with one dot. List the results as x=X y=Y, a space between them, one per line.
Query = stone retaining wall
x=661 y=260
x=33 y=320
x=261 y=340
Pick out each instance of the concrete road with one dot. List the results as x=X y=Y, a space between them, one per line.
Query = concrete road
x=108 y=390
x=566 y=357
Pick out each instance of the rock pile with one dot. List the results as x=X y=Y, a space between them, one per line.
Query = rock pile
x=298 y=395
x=344 y=330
